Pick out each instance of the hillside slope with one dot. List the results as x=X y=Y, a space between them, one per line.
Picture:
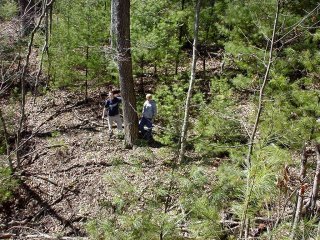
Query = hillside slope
x=64 y=167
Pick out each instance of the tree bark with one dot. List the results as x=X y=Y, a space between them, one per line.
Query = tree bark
x=141 y=84
x=184 y=131
x=315 y=188
x=22 y=83
x=6 y=138
x=265 y=80
x=301 y=193
x=181 y=30
x=26 y=16
x=122 y=30
x=45 y=49
x=88 y=37
x=113 y=25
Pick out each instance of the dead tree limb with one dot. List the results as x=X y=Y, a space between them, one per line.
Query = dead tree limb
x=184 y=131
x=301 y=192
x=6 y=138
x=57 y=113
x=257 y=120
x=50 y=209
x=22 y=81
x=45 y=49
x=315 y=188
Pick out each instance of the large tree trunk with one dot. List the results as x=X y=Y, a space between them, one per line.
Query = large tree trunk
x=184 y=131
x=121 y=10
x=26 y=16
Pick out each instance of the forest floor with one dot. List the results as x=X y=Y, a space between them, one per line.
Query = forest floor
x=67 y=158
x=69 y=162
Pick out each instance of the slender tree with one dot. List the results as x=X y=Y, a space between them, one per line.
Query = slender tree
x=245 y=221
x=26 y=15
x=181 y=30
x=315 y=188
x=301 y=193
x=6 y=138
x=112 y=24
x=22 y=119
x=121 y=13
x=45 y=50
x=184 y=130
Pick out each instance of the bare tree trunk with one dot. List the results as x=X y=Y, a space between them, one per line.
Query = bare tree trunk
x=45 y=49
x=26 y=16
x=87 y=72
x=113 y=25
x=255 y=127
x=316 y=181
x=6 y=138
x=265 y=80
x=22 y=82
x=155 y=70
x=301 y=192
x=184 y=130
x=88 y=36
x=122 y=26
x=181 y=28
x=141 y=84
x=48 y=36
x=204 y=66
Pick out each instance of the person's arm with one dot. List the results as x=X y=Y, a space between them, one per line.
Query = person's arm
x=155 y=110
x=144 y=104
x=106 y=105
x=103 y=112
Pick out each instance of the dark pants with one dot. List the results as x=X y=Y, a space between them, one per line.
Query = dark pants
x=148 y=123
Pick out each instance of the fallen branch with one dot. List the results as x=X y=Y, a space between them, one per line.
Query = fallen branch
x=43 y=148
x=67 y=189
x=50 y=210
x=95 y=164
x=46 y=236
x=56 y=114
x=86 y=121
x=7 y=236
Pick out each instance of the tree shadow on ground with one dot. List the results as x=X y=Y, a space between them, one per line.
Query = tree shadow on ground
x=144 y=141
x=43 y=208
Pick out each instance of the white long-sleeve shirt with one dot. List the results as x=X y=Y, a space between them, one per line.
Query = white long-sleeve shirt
x=149 y=109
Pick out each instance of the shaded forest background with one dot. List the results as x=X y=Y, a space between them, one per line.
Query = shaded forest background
x=57 y=56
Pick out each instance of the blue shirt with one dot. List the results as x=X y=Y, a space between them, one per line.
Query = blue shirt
x=113 y=106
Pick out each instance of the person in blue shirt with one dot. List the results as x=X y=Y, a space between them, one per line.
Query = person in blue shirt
x=149 y=112
x=111 y=108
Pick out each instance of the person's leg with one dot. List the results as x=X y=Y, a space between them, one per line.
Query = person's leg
x=111 y=120
x=119 y=122
x=109 y=124
x=142 y=123
x=149 y=123
x=149 y=130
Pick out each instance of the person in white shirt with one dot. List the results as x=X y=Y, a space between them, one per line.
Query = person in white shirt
x=149 y=112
